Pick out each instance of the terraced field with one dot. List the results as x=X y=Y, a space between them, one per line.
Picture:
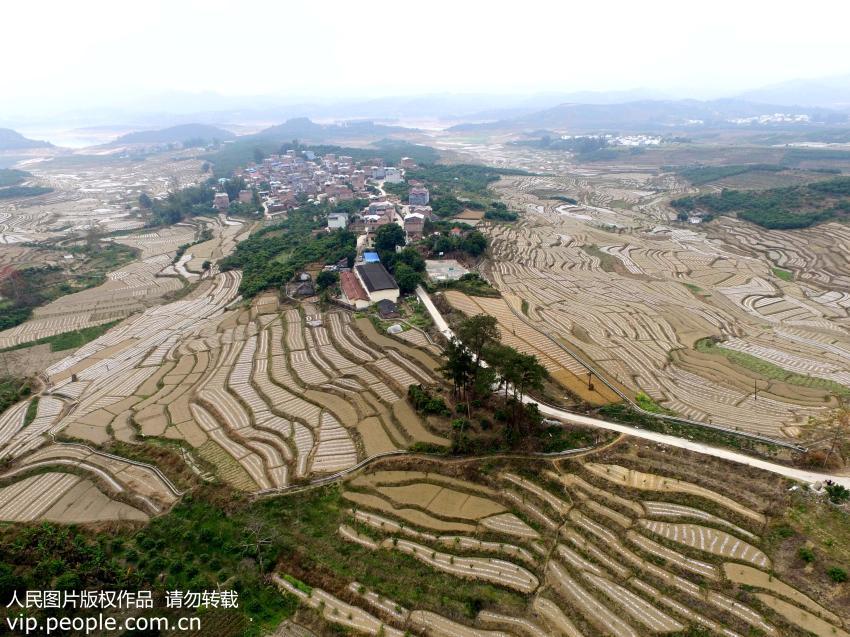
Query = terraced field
x=93 y=190
x=134 y=287
x=633 y=297
x=263 y=397
x=594 y=548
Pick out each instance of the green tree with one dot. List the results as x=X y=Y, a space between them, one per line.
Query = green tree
x=459 y=367
x=388 y=237
x=326 y=279
x=528 y=375
x=444 y=244
x=478 y=333
x=474 y=243
x=145 y=201
x=407 y=278
x=412 y=258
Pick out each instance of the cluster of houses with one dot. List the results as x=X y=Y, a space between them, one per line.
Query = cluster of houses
x=281 y=179
x=367 y=283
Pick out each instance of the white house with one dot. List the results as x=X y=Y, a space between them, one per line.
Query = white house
x=378 y=283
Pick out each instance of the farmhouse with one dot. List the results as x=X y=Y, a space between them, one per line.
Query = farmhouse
x=337 y=220
x=221 y=201
x=414 y=225
x=378 y=283
x=352 y=291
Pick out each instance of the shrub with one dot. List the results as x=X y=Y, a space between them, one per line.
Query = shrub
x=837 y=574
x=425 y=403
x=837 y=493
x=806 y=554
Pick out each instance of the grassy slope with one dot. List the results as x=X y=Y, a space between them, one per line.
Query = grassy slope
x=67 y=340
x=771 y=371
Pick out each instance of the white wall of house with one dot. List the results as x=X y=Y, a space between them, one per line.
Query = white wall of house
x=382 y=295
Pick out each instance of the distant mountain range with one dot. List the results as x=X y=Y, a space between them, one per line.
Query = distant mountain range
x=828 y=92
x=176 y=134
x=655 y=115
x=12 y=140
x=178 y=116
x=304 y=129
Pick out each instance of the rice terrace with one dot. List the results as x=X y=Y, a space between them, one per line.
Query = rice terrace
x=456 y=366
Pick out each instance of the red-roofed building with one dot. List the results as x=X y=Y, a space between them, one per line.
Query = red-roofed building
x=352 y=290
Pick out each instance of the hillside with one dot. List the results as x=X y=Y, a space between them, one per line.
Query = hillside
x=176 y=134
x=321 y=138
x=778 y=208
x=12 y=140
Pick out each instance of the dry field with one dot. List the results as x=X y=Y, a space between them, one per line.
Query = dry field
x=593 y=548
x=613 y=281
x=261 y=396
x=136 y=286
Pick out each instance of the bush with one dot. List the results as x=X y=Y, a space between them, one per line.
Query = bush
x=837 y=574
x=837 y=493
x=425 y=403
x=806 y=554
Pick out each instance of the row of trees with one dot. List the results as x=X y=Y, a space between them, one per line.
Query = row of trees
x=506 y=369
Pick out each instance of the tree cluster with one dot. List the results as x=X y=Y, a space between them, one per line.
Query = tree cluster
x=439 y=239
x=508 y=370
x=777 y=208
x=273 y=255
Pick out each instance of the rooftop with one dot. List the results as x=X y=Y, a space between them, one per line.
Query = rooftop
x=351 y=287
x=376 y=277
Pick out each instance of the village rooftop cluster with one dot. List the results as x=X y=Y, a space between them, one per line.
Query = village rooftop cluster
x=286 y=181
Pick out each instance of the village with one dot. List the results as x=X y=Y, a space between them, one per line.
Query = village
x=281 y=183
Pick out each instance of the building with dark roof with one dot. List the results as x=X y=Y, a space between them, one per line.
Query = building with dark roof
x=378 y=283
x=387 y=309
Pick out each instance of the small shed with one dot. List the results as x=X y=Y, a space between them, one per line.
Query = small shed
x=387 y=309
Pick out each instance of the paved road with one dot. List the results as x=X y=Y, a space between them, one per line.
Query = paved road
x=673 y=441
x=438 y=319
x=690 y=445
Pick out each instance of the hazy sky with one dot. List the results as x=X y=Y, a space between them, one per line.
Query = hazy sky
x=92 y=51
